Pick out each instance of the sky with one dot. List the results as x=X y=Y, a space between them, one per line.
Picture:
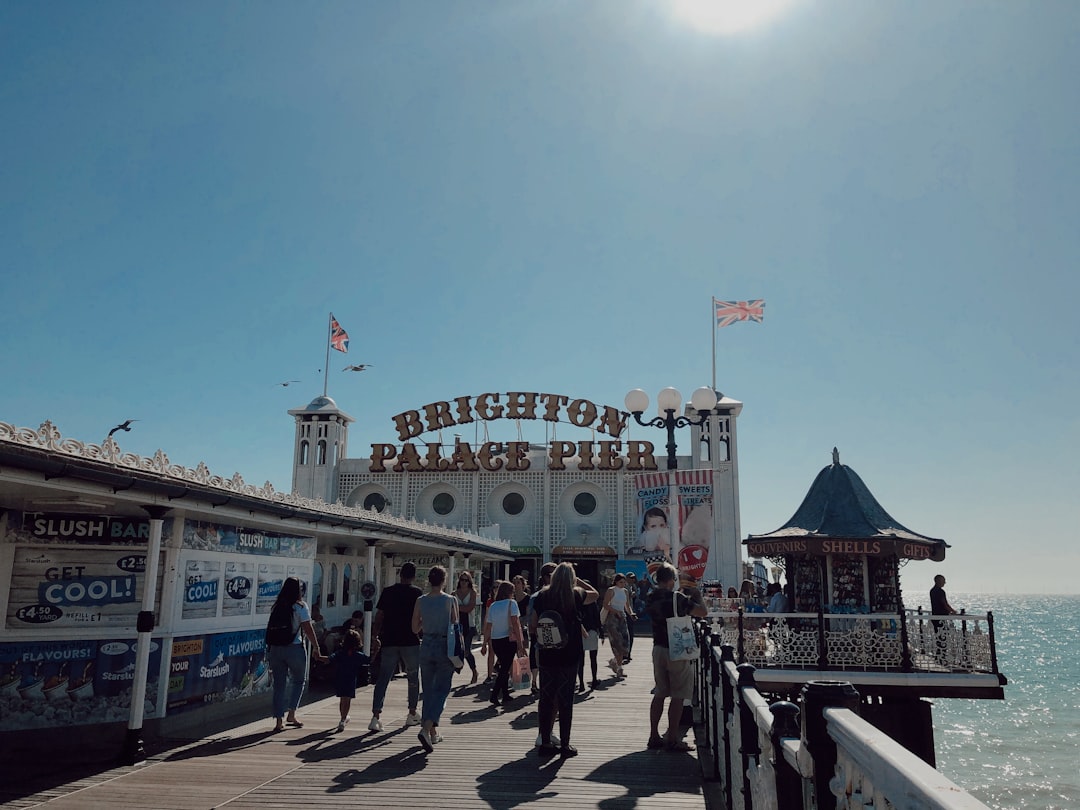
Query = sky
x=546 y=196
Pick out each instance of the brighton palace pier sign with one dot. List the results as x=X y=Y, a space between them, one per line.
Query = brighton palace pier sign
x=611 y=454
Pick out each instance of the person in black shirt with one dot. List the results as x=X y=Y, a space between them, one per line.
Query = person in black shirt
x=674 y=679
x=391 y=633
x=566 y=595
x=939 y=606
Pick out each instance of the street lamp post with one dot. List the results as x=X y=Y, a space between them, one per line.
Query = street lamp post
x=668 y=401
x=703 y=400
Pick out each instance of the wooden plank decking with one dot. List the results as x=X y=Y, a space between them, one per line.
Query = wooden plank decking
x=487 y=760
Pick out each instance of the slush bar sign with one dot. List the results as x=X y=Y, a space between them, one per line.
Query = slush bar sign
x=87 y=528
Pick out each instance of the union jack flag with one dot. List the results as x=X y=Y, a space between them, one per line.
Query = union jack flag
x=339 y=338
x=728 y=312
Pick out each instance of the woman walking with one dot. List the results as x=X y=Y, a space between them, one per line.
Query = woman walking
x=618 y=609
x=433 y=614
x=590 y=621
x=288 y=656
x=466 y=602
x=566 y=595
x=502 y=633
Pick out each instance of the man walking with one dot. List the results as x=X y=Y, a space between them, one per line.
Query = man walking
x=393 y=640
x=674 y=679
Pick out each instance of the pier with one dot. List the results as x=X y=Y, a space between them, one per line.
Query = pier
x=487 y=760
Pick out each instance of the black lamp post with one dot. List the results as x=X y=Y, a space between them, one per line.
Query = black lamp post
x=668 y=401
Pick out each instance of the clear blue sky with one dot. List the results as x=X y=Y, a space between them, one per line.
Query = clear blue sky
x=545 y=196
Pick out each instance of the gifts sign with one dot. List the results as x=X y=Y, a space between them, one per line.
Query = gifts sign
x=675 y=519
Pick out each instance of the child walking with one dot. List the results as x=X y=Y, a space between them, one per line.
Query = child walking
x=348 y=660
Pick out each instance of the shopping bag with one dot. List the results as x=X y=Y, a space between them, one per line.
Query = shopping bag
x=520 y=675
x=682 y=641
x=455 y=646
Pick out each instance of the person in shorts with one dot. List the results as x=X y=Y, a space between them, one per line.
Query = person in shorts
x=674 y=679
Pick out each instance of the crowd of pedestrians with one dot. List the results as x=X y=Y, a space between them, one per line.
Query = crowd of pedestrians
x=543 y=637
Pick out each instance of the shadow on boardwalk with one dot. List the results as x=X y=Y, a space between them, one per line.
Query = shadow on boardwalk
x=487 y=759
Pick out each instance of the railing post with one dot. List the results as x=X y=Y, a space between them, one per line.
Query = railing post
x=906 y=664
x=993 y=641
x=816 y=697
x=788 y=780
x=715 y=709
x=748 y=744
x=742 y=643
x=727 y=691
x=822 y=653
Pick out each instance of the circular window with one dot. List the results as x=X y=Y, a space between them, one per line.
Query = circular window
x=513 y=503
x=584 y=503
x=443 y=503
x=375 y=501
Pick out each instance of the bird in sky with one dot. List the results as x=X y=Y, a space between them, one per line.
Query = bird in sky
x=287 y=383
x=125 y=426
x=358 y=367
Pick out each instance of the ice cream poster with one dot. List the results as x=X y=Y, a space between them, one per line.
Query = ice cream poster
x=675 y=519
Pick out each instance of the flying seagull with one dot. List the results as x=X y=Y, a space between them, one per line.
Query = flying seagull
x=358 y=367
x=125 y=426
x=287 y=383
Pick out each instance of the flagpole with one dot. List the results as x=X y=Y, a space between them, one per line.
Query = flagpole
x=326 y=365
x=713 y=313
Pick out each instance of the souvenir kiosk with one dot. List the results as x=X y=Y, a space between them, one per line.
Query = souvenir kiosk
x=842 y=553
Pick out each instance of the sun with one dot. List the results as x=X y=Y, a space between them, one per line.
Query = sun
x=729 y=16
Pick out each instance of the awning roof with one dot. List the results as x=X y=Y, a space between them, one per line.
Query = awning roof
x=840 y=515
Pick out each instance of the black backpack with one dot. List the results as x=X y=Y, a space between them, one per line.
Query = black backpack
x=279 y=629
x=551 y=631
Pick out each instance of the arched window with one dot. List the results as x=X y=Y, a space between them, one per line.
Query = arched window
x=331 y=587
x=316 y=586
x=375 y=501
x=304 y=452
x=345 y=599
x=321 y=460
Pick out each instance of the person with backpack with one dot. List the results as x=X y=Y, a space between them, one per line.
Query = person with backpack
x=555 y=621
x=287 y=628
x=534 y=662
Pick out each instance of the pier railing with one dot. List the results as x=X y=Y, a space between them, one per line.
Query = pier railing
x=820 y=754
x=909 y=641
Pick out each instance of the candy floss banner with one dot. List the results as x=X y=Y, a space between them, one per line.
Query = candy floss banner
x=685 y=516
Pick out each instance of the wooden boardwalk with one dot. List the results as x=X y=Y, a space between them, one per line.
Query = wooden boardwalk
x=487 y=760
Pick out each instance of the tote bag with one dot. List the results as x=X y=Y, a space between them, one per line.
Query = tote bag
x=682 y=642
x=520 y=675
x=455 y=646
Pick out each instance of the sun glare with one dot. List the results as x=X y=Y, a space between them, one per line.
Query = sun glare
x=729 y=16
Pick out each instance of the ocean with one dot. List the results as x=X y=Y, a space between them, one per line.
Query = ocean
x=1023 y=752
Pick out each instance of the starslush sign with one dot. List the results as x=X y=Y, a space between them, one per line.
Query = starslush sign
x=610 y=454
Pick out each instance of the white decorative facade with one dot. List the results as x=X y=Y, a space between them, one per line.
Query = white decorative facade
x=566 y=499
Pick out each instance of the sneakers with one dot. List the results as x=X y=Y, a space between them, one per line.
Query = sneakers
x=412 y=720
x=375 y=724
x=554 y=740
x=341 y=725
x=436 y=738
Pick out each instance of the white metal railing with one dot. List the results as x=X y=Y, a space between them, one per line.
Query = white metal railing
x=764 y=759
x=859 y=641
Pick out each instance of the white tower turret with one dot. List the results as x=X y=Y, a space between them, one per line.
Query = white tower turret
x=322 y=439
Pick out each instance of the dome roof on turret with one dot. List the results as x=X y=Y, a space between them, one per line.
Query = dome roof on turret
x=321 y=404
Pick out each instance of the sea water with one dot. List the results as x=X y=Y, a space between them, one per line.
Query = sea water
x=1023 y=752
